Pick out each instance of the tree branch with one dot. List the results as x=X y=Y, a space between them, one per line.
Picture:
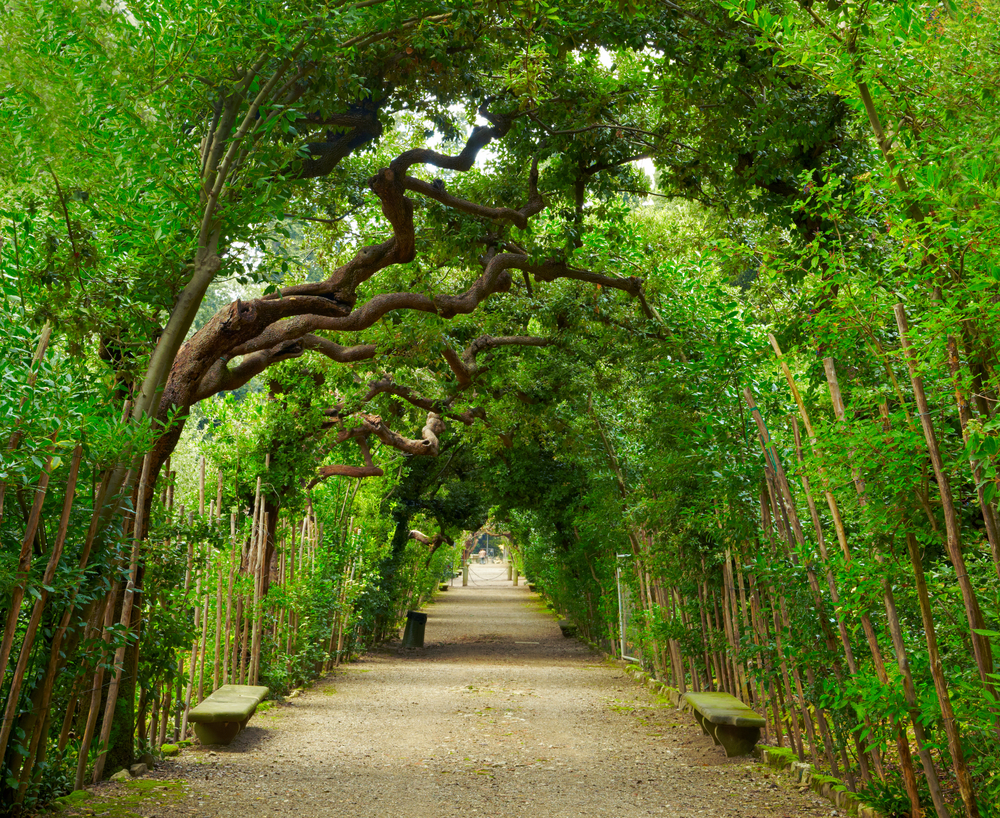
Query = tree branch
x=338 y=353
x=427 y=445
x=479 y=138
x=386 y=386
x=434 y=542
x=344 y=471
x=517 y=217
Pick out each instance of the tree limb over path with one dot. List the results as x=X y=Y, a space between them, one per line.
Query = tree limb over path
x=247 y=337
x=465 y=368
x=434 y=542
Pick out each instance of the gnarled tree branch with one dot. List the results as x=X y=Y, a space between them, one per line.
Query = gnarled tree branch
x=434 y=542
x=284 y=325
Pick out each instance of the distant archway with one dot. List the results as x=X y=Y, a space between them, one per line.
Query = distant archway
x=488 y=541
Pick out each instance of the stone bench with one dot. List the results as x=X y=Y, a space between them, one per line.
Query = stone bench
x=727 y=720
x=222 y=715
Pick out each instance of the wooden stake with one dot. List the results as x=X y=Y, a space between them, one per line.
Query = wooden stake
x=126 y=620
x=24 y=563
x=15 y=438
x=965 y=418
x=147 y=732
x=902 y=741
x=216 y=655
x=980 y=644
x=28 y=640
x=241 y=640
x=941 y=683
x=161 y=735
x=218 y=496
x=193 y=656
x=204 y=642
x=201 y=488
x=97 y=689
x=233 y=558
x=253 y=570
x=258 y=614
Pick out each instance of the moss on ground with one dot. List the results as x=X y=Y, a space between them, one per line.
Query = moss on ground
x=130 y=799
x=74 y=797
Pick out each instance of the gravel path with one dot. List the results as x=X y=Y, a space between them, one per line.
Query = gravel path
x=498 y=715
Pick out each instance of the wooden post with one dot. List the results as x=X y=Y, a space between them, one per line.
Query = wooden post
x=147 y=731
x=201 y=488
x=980 y=644
x=965 y=418
x=164 y=713
x=941 y=683
x=28 y=640
x=258 y=626
x=233 y=558
x=24 y=564
x=125 y=621
x=97 y=689
x=193 y=658
x=216 y=653
x=902 y=741
x=204 y=640
x=705 y=633
x=243 y=642
x=253 y=569
x=218 y=496
x=731 y=622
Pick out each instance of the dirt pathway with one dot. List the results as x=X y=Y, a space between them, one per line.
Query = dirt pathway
x=498 y=715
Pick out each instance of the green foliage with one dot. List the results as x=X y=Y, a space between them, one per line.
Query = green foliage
x=815 y=166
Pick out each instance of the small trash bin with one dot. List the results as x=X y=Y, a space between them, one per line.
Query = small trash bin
x=413 y=633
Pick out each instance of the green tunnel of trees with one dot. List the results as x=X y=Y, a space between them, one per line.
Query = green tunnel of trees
x=696 y=302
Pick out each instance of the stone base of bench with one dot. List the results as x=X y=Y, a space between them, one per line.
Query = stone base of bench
x=220 y=732
x=731 y=724
x=736 y=741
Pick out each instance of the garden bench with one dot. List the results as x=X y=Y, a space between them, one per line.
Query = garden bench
x=222 y=715
x=727 y=720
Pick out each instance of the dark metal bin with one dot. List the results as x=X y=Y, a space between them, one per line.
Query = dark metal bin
x=413 y=633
